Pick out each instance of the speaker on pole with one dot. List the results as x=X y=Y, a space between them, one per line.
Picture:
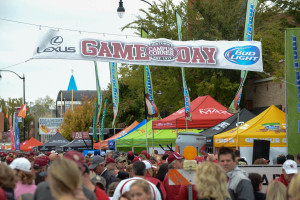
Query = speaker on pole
x=261 y=149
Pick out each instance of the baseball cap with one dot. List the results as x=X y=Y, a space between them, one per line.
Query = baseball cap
x=3 y=154
x=174 y=156
x=110 y=160
x=53 y=151
x=148 y=164
x=290 y=167
x=9 y=160
x=40 y=161
x=120 y=159
x=130 y=154
x=199 y=159
x=21 y=164
x=137 y=158
x=146 y=154
x=76 y=156
x=98 y=179
x=95 y=161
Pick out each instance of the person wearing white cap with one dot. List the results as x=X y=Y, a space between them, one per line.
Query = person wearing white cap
x=155 y=181
x=289 y=169
x=25 y=182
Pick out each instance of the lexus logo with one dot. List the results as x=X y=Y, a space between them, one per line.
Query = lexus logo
x=57 y=40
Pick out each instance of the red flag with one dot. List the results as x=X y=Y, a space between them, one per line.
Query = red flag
x=22 y=112
x=12 y=138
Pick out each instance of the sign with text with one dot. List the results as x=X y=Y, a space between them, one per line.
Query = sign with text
x=49 y=126
x=81 y=135
x=268 y=173
x=237 y=55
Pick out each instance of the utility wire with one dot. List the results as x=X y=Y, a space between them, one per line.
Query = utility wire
x=66 y=29
x=16 y=64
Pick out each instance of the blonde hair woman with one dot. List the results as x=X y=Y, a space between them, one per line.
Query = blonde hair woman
x=64 y=179
x=294 y=188
x=276 y=191
x=210 y=181
x=140 y=190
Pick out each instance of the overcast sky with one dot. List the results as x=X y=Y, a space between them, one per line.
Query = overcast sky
x=47 y=77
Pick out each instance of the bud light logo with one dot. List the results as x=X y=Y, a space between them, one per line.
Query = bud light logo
x=245 y=55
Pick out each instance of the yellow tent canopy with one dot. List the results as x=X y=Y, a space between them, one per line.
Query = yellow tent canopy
x=269 y=125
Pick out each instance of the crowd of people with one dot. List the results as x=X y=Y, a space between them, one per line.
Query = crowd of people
x=131 y=176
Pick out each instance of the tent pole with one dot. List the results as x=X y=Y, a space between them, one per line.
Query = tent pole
x=237 y=132
x=152 y=140
x=100 y=139
x=146 y=139
x=61 y=103
x=185 y=125
x=285 y=80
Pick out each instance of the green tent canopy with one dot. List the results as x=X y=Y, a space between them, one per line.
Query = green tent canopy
x=162 y=137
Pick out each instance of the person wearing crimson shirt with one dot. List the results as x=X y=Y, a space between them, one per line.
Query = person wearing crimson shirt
x=175 y=161
x=289 y=169
x=155 y=181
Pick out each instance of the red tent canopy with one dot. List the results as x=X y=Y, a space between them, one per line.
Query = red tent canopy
x=206 y=112
x=30 y=144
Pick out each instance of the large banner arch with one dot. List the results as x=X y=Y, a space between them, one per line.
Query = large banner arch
x=237 y=55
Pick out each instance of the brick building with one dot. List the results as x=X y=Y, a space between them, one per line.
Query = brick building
x=262 y=93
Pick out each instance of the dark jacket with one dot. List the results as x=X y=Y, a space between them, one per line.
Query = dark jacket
x=109 y=177
x=239 y=185
x=259 y=196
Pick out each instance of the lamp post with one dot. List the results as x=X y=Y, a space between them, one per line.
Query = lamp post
x=121 y=9
x=23 y=78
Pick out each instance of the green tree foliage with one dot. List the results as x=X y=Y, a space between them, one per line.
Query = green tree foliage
x=42 y=106
x=80 y=119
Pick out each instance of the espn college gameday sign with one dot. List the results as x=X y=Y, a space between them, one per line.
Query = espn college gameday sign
x=238 y=55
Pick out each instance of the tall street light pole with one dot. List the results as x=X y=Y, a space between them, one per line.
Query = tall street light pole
x=121 y=9
x=23 y=78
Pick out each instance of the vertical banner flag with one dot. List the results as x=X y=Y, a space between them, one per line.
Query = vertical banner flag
x=103 y=119
x=99 y=93
x=150 y=107
x=7 y=110
x=17 y=137
x=248 y=34
x=115 y=89
x=187 y=100
x=293 y=88
x=95 y=123
x=12 y=139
